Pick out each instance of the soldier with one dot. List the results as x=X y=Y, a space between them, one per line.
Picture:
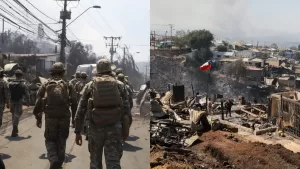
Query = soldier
x=18 y=92
x=119 y=71
x=4 y=95
x=53 y=99
x=121 y=78
x=72 y=83
x=78 y=87
x=106 y=99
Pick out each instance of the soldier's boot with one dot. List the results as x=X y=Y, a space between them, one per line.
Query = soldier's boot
x=14 y=132
x=86 y=137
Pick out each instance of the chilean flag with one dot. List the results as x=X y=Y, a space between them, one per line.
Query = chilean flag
x=206 y=66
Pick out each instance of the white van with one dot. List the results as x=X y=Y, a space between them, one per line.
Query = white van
x=88 y=69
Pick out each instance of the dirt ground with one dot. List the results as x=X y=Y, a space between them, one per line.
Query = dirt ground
x=220 y=149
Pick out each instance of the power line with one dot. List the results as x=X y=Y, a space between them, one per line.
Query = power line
x=29 y=12
x=41 y=11
x=11 y=6
x=15 y=23
x=72 y=33
x=12 y=15
x=106 y=22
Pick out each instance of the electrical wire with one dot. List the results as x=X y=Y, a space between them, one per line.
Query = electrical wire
x=29 y=12
x=41 y=11
x=107 y=23
x=15 y=23
x=13 y=16
x=94 y=21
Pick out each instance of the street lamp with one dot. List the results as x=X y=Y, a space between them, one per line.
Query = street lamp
x=95 y=6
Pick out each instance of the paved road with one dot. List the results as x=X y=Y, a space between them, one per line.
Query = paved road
x=29 y=152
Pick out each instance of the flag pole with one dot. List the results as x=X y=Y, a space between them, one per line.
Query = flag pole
x=207 y=88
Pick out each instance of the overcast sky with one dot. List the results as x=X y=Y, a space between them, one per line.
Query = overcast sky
x=129 y=19
x=252 y=20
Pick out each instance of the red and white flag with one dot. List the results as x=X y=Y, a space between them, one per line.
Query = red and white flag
x=206 y=66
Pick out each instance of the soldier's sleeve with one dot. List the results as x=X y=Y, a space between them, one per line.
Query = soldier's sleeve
x=72 y=96
x=124 y=95
x=38 y=107
x=27 y=96
x=7 y=93
x=82 y=107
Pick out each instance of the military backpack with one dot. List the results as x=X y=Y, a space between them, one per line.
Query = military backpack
x=107 y=101
x=56 y=99
x=17 y=90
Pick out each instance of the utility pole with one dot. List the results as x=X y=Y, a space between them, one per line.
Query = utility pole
x=124 y=52
x=3 y=31
x=146 y=76
x=112 y=50
x=171 y=27
x=64 y=15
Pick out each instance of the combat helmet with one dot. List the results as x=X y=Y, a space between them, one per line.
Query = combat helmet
x=83 y=75
x=77 y=74
x=18 y=72
x=57 y=67
x=103 y=66
x=121 y=77
x=119 y=70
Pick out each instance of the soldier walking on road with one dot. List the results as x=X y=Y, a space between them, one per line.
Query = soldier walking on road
x=4 y=95
x=18 y=92
x=53 y=99
x=121 y=78
x=78 y=87
x=105 y=98
x=74 y=104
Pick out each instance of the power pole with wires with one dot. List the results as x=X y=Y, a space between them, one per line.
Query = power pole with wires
x=112 y=50
x=171 y=27
x=64 y=15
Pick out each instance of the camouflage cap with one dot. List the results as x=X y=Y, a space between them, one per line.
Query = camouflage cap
x=83 y=75
x=57 y=67
x=121 y=77
x=19 y=72
x=103 y=66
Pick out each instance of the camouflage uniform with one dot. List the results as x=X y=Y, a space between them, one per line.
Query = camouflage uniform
x=121 y=78
x=16 y=106
x=56 y=127
x=78 y=89
x=74 y=105
x=107 y=137
x=4 y=96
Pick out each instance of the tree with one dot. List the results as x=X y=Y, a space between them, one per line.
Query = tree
x=200 y=39
x=297 y=55
x=237 y=69
x=298 y=47
x=281 y=53
x=222 y=48
x=180 y=39
x=293 y=48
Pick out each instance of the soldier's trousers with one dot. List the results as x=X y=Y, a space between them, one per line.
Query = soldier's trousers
x=108 y=139
x=56 y=134
x=16 y=110
x=73 y=110
x=2 y=106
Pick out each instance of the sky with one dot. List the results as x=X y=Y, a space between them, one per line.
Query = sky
x=128 y=19
x=265 y=21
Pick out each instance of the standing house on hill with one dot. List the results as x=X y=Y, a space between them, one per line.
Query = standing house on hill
x=33 y=62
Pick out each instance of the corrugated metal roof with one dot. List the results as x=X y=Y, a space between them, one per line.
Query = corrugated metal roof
x=27 y=55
